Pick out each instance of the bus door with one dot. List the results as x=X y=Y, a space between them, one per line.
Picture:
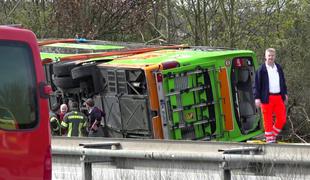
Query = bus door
x=189 y=102
x=242 y=79
x=126 y=103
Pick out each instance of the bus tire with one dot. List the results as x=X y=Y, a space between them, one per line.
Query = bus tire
x=83 y=71
x=63 y=68
x=65 y=82
x=91 y=73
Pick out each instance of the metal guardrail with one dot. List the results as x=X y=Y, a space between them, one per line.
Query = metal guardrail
x=228 y=157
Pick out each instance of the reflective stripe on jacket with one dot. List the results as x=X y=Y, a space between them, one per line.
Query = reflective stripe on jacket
x=74 y=121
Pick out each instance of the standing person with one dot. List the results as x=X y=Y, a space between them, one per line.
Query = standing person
x=94 y=117
x=270 y=94
x=74 y=121
x=63 y=111
x=54 y=120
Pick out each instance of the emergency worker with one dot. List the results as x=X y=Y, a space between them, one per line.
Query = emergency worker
x=75 y=121
x=54 y=120
x=270 y=93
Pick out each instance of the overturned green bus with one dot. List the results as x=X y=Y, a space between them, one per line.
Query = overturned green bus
x=183 y=93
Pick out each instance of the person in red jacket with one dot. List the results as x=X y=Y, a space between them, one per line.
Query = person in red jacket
x=63 y=111
x=270 y=94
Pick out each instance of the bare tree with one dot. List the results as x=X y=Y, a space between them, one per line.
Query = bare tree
x=99 y=19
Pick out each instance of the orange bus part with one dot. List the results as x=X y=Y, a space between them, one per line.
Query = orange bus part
x=152 y=85
x=153 y=97
x=47 y=42
x=117 y=53
x=229 y=126
x=157 y=128
x=46 y=61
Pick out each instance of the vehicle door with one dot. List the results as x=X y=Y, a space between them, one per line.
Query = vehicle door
x=126 y=103
x=189 y=102
x=242 y=79
x=25 y=151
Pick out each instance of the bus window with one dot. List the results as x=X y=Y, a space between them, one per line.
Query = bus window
x=18 y=86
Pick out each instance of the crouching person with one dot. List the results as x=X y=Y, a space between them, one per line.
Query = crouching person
x=74 y=121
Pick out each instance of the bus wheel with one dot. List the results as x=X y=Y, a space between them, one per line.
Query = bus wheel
x=91 y=73
x=66 y=82
x=83 y=71
x=63 y=68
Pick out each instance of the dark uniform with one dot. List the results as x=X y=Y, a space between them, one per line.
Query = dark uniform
x=54 y=120
x=75 y=122
x=55 y=125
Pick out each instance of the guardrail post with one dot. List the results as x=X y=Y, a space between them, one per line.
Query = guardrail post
x=86 y=168
x=86 y=161
x=226 y=174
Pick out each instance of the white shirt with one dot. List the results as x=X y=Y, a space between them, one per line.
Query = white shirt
x=274 y=79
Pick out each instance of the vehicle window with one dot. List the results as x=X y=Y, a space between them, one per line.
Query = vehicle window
x=129 y=82
x=17 y=86
x=242 y=80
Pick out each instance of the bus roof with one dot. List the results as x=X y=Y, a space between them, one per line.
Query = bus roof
x=85 y=46
x=181 y=56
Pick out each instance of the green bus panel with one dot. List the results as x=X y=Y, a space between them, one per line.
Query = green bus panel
x=190 y=95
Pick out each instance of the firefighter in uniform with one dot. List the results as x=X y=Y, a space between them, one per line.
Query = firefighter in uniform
x=74 y=121
x=54 y=120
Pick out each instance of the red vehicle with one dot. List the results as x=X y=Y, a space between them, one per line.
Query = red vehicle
x=25 y=144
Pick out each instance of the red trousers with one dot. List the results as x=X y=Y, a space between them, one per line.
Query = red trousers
x=275 y=106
